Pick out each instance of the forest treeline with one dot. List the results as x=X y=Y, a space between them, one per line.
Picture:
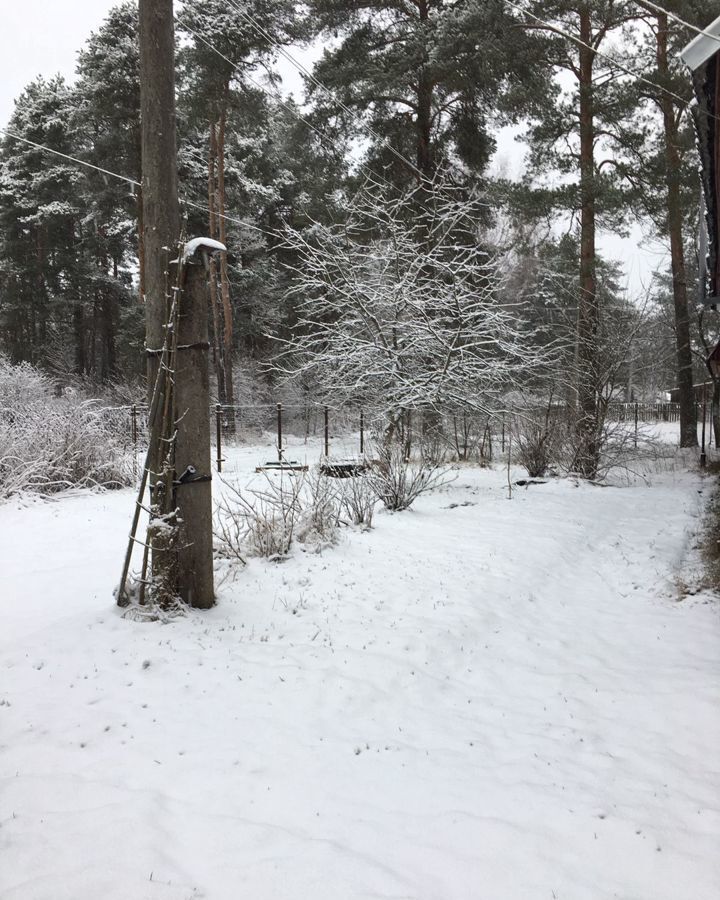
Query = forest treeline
x=404 y=92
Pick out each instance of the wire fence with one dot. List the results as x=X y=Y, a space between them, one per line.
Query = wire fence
x=466 y=433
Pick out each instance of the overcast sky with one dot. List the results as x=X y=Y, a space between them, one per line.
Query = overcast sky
x=42 y=37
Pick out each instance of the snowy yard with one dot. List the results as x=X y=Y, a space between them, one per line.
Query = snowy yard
x=479 y=699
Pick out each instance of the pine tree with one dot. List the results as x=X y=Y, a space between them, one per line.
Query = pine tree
x=431 y=78
x=661 y=162
x=43 y=296
x=567 y=139
x=226 y=42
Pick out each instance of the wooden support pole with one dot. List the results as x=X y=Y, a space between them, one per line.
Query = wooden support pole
x=703 y=454
x=161 y=230
x=161 y=210
x=362 y=433
x=134 y=427
x=636 y=426
x=192 y=444
x=279 y=432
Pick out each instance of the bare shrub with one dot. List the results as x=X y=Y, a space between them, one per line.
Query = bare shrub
x=540 y=436
x=320 y=512
x=52 y=439
x=398 y=480
x=358 y=499
x=267 y=521
x=259 y=522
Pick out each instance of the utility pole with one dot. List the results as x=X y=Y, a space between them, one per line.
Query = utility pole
x=179 y=455
x=161 y=210
x=192 y=444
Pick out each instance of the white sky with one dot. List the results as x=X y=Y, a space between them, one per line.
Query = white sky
x=42 y=37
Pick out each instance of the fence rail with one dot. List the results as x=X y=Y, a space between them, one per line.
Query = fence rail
x=466 y=432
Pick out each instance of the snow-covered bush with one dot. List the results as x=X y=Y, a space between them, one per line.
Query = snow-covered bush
x=52 y=439
x=320 y=515
x=267 y=521
x=541 y=436
x=398 y=480
x=358 y=499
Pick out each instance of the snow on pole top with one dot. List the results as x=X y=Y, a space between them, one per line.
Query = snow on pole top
x=191 y=247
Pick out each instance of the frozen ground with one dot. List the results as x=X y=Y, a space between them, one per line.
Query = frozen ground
x=480 y=699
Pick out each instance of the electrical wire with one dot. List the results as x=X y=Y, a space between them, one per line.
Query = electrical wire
x=125 y=178
x=571 y=37
x=304 y=71
x=277 y=96
x=66 y=156
x=661 y=9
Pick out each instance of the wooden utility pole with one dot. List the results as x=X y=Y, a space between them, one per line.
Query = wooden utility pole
x=180 y=437
x=161 y=210
x=192 y=445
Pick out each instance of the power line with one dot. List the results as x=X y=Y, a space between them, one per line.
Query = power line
x=571 y=37
x=280 y=99
x=301 y=68
x=676 y=18
x=74 y=159
x=228 y=218
x=276 y=95
x=125 y=178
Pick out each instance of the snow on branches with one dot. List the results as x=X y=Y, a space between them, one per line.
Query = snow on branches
x=402 y=306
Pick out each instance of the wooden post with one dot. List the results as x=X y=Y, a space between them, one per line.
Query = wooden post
x=192 y=444
x=703 y=455
x=134 y=428
x=279 y=432
x=326 y=431
x=218 y=435
x=161 y=232
x=161 y=211
x=502 y=438
x=636 y=426
x=362 y=433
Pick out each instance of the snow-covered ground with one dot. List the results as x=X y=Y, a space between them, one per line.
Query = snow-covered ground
x=481 y=698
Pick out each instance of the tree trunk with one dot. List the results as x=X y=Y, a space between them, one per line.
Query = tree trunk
x=192 y=446
x=161 y=211
x=715 y=411
x=224 y=274
x=161 y=233
x=688 y=415
x=218 y=353
x=588 y=307
x=79 y=338
x=108 y=356
x=423 y=122
x=141 y=246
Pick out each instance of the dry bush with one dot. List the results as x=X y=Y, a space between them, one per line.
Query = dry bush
x=320 y=510
x=398 y=480
x=358 y=499
x=52 y=439
x=267 y=521
x=259 y=522
x=540 y=439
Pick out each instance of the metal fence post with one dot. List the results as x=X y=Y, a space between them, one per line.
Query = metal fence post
x=362 y=433
x=279 y=432
x=218 y=435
